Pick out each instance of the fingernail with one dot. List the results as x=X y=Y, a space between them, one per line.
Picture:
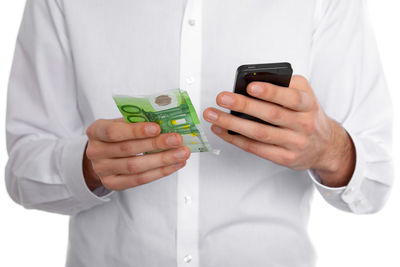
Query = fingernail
x=255 y=89
x=211 y=115
x=227 y=100
x=180 y=154
x=172 y=140
x=151 y=130
x=217 y=130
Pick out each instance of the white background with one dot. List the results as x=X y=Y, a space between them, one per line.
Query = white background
x=34 y=238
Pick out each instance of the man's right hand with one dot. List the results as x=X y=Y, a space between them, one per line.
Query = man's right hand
x=111 y=154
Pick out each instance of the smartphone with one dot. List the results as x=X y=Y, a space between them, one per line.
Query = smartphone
x=276 y=73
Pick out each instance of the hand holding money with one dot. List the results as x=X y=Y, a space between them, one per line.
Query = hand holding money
x=303 y=136
x=112 y=159
x=172 y=110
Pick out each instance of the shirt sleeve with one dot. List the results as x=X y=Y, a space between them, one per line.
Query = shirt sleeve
x=347 y=75
x=45 y=134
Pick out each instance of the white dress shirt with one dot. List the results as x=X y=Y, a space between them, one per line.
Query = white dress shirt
x=234 y=209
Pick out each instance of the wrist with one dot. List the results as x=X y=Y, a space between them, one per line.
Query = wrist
x=337 y=161
x=92 y=180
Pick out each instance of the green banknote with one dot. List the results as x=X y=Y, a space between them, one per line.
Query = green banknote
x=172 y=110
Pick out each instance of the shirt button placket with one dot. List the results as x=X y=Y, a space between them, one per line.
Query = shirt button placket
x=188 y=177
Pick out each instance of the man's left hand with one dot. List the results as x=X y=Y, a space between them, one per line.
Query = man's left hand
x=304 y=136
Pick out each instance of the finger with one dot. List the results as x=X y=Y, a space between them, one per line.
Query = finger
x=121 y=182
x=138 y=164
x=292 y=98
x=254 y=130
x=263 y=110
x=103 y=150
x=270 y=152
x=117 y=131
x=300 y=82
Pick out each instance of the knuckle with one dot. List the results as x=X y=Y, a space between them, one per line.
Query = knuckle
x=297 y=98
x=138 y=129
x=243 y=104
x=246 y=147
x=166 y=158
x=91 y=152
x=132 y=166
x=89 y=132
x=161 y=142
x=243 y=144
x=226 y=121
x=229 y=138
x=179 y=137
x=308 y=126
x=183 y=164
x=269 y=91
x=289 y=158
x=108 y=183
x=100 y=168
x=97 y=167
x=314 y=106
x=111 y=132
x=166 y=171
x=111 y=183
x=252 y=148
x=301 y=143
x=141 y=179
x=126 y=148
x=275 y=113
x=260 y=133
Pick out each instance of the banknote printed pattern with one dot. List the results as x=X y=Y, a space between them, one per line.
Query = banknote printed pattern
x=172 y=110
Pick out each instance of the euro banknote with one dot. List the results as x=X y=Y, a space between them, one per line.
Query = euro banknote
x=172 y=110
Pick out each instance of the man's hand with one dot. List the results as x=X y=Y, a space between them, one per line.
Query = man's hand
x=111 y=155
x=306 y=138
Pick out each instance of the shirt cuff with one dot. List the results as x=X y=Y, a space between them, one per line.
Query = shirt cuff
x=349 y=198
x=71 y=168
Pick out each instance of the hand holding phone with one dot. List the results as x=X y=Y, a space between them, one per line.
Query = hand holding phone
x=302 y=136
x=275 y=73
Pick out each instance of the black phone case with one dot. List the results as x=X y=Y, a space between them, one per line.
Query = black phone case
x=276 y=73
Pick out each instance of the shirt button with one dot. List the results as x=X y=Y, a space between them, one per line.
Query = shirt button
x=357 y=203
x=188 y=200
x=190 y=80
x=192 y=22
x=348 y=191
x=187 y=258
